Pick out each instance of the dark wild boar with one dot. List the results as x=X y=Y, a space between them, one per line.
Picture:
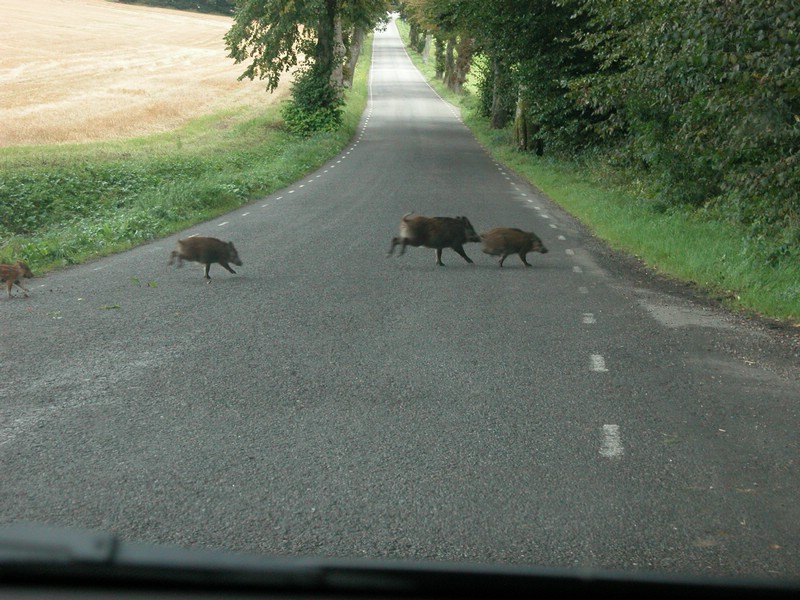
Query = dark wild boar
x=206 y=251
x=504 y=241
x=437 y=233
x=12 y=274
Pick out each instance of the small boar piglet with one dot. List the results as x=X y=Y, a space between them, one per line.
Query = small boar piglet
x=437 y=233
x=504 y=241
x=206 y=251
x=11 y=275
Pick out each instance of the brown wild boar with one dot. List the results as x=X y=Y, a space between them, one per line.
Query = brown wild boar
x=206 y=250
x=437 y=233
x=12 y=274
x=504 y=241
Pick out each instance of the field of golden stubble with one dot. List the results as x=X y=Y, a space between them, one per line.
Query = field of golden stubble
x=75 y=71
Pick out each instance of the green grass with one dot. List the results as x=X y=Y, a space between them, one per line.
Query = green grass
x=717 y=255
x=61 y=205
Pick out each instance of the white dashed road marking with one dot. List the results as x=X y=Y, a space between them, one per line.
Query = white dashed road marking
x=612 y=442
x=598 y=363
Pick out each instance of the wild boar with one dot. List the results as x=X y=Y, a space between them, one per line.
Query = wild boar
x=504 y=241
x=12 y=274
x=206 y=250
x=437 y=233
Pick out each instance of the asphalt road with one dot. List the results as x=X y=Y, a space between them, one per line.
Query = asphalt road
x=330 y=401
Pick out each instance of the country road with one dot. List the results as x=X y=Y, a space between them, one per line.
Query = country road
x=328 y=400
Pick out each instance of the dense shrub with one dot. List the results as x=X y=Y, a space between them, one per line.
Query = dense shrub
x=696 y=100
x=705 y=94
x=315 y=105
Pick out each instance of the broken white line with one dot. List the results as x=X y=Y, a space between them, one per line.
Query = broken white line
x=612 y=442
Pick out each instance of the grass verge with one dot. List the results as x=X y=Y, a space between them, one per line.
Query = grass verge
x=62 y=205
x=715 y=255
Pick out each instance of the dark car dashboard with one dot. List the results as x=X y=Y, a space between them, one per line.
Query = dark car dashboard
x=41 y=561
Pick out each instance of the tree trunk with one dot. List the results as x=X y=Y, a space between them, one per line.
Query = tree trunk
x=440 y=58
x=323 y=51
x=521 y=122
x=449 y=62
x=426 y=51
x=465 y=50
x=413 y=35
x=499 y=111
x=353 y=53
x=339 y=50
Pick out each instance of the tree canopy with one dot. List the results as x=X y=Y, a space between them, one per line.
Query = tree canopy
x=276 y=36
x=703 y=96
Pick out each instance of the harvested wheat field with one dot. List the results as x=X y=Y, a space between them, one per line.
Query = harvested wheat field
x=76 y=71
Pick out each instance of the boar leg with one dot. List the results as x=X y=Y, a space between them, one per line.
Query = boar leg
x=524 y=260
x=439 y=257
x=207 y=267
x=402 y=242
x=22 y=287
x=227 y=266
x=460 y=250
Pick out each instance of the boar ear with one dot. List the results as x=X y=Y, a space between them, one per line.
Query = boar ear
x=230 y=245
